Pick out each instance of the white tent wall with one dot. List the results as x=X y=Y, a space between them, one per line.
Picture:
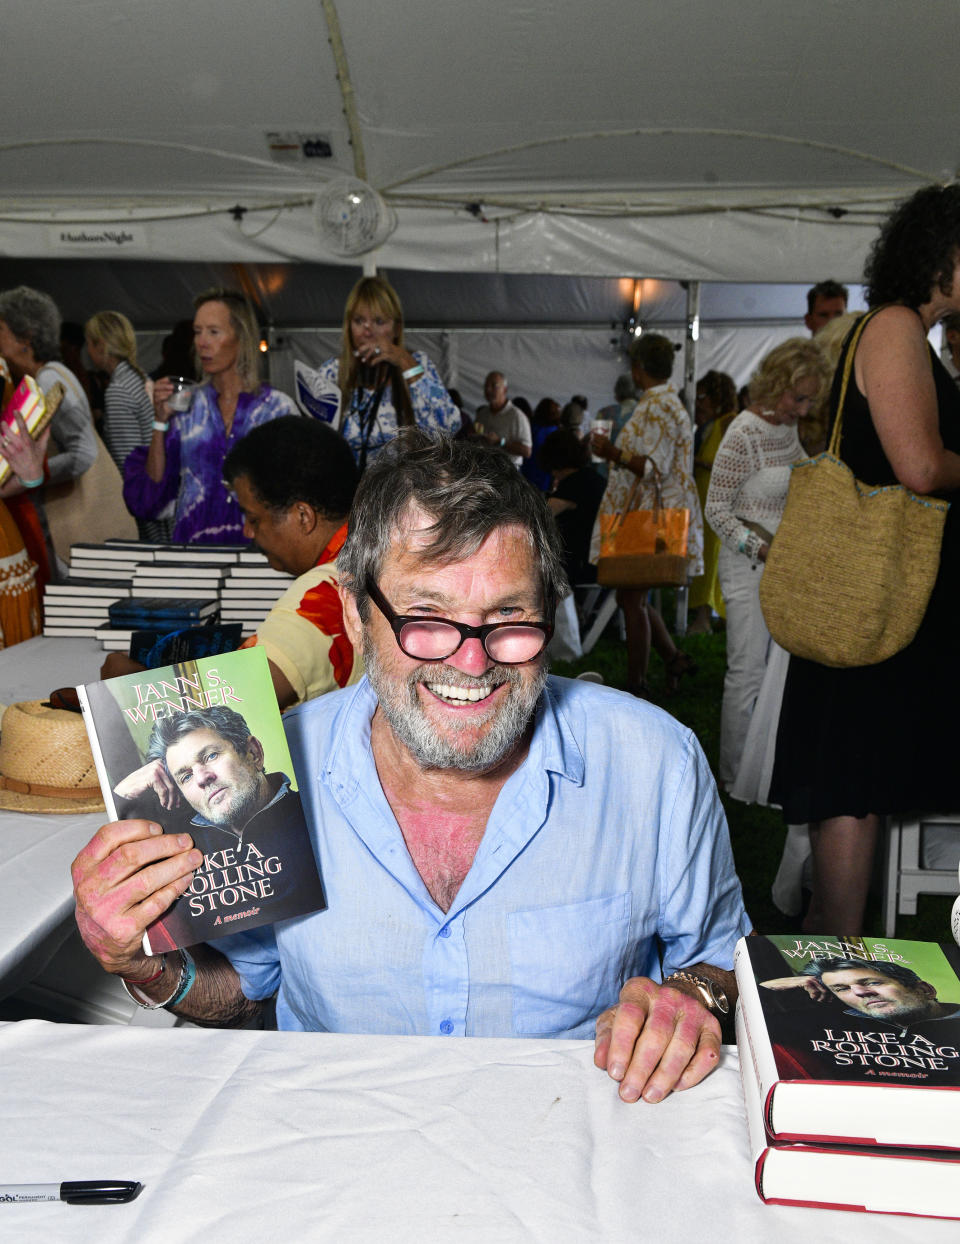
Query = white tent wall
x=551 y=335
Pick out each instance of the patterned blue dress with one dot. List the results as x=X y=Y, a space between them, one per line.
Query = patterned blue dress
x=319 y=395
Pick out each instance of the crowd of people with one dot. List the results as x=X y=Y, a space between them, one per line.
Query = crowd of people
x=490 y=868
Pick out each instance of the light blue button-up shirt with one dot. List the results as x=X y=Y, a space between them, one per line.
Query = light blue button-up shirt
x=606 y=856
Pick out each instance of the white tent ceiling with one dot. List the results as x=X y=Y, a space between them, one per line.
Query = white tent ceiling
x=756 y=140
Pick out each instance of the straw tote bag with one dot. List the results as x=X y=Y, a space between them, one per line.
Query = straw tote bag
x=643 y=548
x=851 y=568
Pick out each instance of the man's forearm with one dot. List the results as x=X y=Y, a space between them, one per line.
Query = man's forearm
x=215 y=999
x=721 y=978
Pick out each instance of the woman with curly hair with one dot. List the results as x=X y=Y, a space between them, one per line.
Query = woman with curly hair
x=30 y=343
x=745 y=501
x=856 y=744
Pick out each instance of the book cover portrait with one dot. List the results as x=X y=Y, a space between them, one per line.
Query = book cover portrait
x=865 y=1009
x=199 y=748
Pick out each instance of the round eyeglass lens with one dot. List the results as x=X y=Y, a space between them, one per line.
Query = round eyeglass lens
x=431 y=641
x=515 y=644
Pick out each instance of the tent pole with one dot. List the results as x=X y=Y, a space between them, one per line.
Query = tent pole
x=346 y=87
x=690 y=344
x=690 y=393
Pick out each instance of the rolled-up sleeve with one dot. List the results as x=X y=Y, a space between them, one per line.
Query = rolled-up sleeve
x=432 y=404
x=255 y=959
x=145 y=497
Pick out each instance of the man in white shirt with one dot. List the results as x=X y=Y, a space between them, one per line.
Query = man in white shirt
x=499 y=422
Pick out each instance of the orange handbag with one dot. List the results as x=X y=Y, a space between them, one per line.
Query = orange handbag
x=643 y=548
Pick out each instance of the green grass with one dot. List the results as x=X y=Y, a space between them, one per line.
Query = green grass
x=756 y=834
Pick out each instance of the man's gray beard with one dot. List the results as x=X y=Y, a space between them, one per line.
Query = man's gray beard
x=404 y=713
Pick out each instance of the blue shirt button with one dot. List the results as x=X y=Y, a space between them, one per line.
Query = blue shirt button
x=445 y=931
x=446 y=1027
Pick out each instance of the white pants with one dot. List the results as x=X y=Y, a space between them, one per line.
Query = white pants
x=748 y=643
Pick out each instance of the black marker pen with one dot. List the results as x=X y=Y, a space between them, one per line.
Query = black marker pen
x=76 y=1192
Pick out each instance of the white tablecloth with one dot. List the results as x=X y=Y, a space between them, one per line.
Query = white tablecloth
x=36 y=896
x=248 y=1136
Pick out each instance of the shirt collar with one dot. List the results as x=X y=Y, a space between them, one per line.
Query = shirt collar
x=336 y=543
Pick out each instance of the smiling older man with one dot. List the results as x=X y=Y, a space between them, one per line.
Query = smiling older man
x=504 y=853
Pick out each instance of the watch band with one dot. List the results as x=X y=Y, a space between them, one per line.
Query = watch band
x=711 y=995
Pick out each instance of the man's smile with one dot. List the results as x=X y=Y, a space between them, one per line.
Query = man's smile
x=453 y=694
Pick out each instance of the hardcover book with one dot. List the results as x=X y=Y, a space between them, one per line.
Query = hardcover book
x=116 y=550
x=156 y=648
x=189 y=589
x=853 y=1040
x=882 y=1181
x=34 y=408
x=120 y=573
x=71 y=630
x=199 y=748
x=224 y=554
x=72 y=588
x=143 y=611
x=174 y=571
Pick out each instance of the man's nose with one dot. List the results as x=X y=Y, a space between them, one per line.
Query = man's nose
x=470 y=658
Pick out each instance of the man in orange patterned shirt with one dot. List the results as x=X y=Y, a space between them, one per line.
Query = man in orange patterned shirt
x=294 y=479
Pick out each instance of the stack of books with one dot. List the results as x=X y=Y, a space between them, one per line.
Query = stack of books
x=191 y=580
x=116 y=560
x=250 y=590
x=157 y=614
x=239 y=580
x=850 y=1073
x=78 y=607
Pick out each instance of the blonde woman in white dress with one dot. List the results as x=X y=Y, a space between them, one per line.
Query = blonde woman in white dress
x=745 y=502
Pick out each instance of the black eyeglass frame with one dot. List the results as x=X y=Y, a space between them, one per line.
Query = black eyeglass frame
x=398 y=621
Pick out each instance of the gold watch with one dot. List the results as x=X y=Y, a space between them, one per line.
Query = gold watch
x=711 y=995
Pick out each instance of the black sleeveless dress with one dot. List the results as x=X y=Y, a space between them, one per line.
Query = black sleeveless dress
x=880 y=738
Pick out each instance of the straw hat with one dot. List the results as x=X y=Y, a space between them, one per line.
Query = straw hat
x=45 y=761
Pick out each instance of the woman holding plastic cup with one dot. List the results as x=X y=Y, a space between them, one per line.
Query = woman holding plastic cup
x=377 y=385
x=195 y=426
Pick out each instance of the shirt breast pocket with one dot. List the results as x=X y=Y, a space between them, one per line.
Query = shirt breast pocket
x=567 y=963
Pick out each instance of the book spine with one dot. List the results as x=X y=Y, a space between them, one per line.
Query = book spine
x=105 y=788
x=758 y=1047
x=752 y=1105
